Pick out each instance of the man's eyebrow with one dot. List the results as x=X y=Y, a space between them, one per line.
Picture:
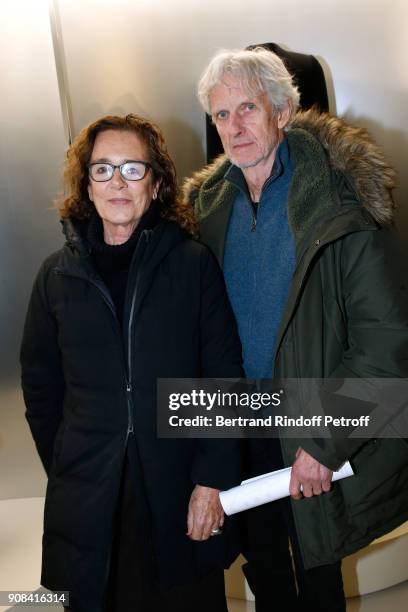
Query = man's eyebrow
x=218 y=110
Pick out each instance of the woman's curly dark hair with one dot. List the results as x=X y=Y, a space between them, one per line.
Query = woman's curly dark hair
x=75 y=202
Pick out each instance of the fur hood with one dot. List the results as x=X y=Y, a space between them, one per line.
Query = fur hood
x=351 y=152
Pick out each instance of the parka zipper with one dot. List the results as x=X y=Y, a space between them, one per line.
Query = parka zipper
x=317 y=244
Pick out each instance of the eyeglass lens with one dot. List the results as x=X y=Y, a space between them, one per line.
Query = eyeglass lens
x=131 y=171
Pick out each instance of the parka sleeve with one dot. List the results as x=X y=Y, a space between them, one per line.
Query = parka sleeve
x=375 y=296
x=217 y=462
x=41 y=371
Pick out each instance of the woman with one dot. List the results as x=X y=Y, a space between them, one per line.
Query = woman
x=130 y=298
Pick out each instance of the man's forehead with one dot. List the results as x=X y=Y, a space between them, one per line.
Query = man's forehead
x=230 y=87
x=236 y=85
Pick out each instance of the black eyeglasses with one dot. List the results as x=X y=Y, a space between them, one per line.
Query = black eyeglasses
x=130 y=170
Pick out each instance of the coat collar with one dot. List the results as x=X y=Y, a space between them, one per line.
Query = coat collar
x=329 y=157
x=153 y=246
x=76 y=258
x=347 y=150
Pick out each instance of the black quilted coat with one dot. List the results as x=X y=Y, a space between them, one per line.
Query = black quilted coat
x=88 y=386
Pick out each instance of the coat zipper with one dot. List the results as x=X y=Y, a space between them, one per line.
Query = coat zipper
x=128 y=361
x=144 y=235
x=127 y=358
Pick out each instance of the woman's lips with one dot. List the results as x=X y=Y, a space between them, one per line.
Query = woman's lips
x=119 y=201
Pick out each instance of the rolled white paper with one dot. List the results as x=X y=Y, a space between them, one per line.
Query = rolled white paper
x=266 y=488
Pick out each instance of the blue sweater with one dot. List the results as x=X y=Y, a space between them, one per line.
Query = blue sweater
x=259 y=263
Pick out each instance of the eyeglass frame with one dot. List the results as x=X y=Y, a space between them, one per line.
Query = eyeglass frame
x=147 y=165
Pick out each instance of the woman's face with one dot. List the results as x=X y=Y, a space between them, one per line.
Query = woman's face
x=120 y=203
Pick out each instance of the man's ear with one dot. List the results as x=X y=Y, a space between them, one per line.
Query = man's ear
x=284 y=114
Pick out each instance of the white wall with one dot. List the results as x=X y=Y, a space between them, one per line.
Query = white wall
x=31 y=153
x=32 y=147
x=145 y=56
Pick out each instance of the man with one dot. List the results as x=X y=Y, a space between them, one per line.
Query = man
x=298 y=213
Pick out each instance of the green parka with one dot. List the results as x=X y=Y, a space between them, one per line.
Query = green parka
x=346 y=316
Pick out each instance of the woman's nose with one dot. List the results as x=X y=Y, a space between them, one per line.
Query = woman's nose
x=117 y=179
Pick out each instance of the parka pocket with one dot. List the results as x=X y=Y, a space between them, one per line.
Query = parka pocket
x=381 y=470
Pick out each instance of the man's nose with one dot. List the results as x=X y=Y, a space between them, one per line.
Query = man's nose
x=236 y=125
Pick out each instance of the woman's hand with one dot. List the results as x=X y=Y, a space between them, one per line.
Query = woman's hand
x=205 y=513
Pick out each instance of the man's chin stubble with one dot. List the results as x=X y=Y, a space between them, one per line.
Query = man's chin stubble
x=249 y=164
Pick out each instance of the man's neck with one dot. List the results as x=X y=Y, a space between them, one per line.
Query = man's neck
x=255 y=178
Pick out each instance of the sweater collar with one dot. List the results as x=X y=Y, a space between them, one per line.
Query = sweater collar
x=76 y=231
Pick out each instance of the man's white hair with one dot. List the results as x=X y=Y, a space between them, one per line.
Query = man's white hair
x=258 y=70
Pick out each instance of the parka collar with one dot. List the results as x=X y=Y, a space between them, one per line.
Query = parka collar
x=352 y=152
x=337 y=149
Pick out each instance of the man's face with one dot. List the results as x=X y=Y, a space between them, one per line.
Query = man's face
x=249 y=128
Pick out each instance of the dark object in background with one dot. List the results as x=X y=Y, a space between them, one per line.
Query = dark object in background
x=308 y=76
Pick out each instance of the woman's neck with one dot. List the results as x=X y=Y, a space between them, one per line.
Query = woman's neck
x=118 y=234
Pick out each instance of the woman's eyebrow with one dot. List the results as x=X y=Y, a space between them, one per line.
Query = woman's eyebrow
x=106 y=160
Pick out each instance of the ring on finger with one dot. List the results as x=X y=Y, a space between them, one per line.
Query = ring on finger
x=216 y=531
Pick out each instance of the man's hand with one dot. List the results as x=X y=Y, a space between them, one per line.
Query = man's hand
x=204 y=513
x=314 y=477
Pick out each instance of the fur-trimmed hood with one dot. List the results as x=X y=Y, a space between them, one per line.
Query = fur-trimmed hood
x=351 y=152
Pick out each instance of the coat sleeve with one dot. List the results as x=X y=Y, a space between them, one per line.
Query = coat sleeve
x=41 y=371
x=375 y=300
x=217 y=462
